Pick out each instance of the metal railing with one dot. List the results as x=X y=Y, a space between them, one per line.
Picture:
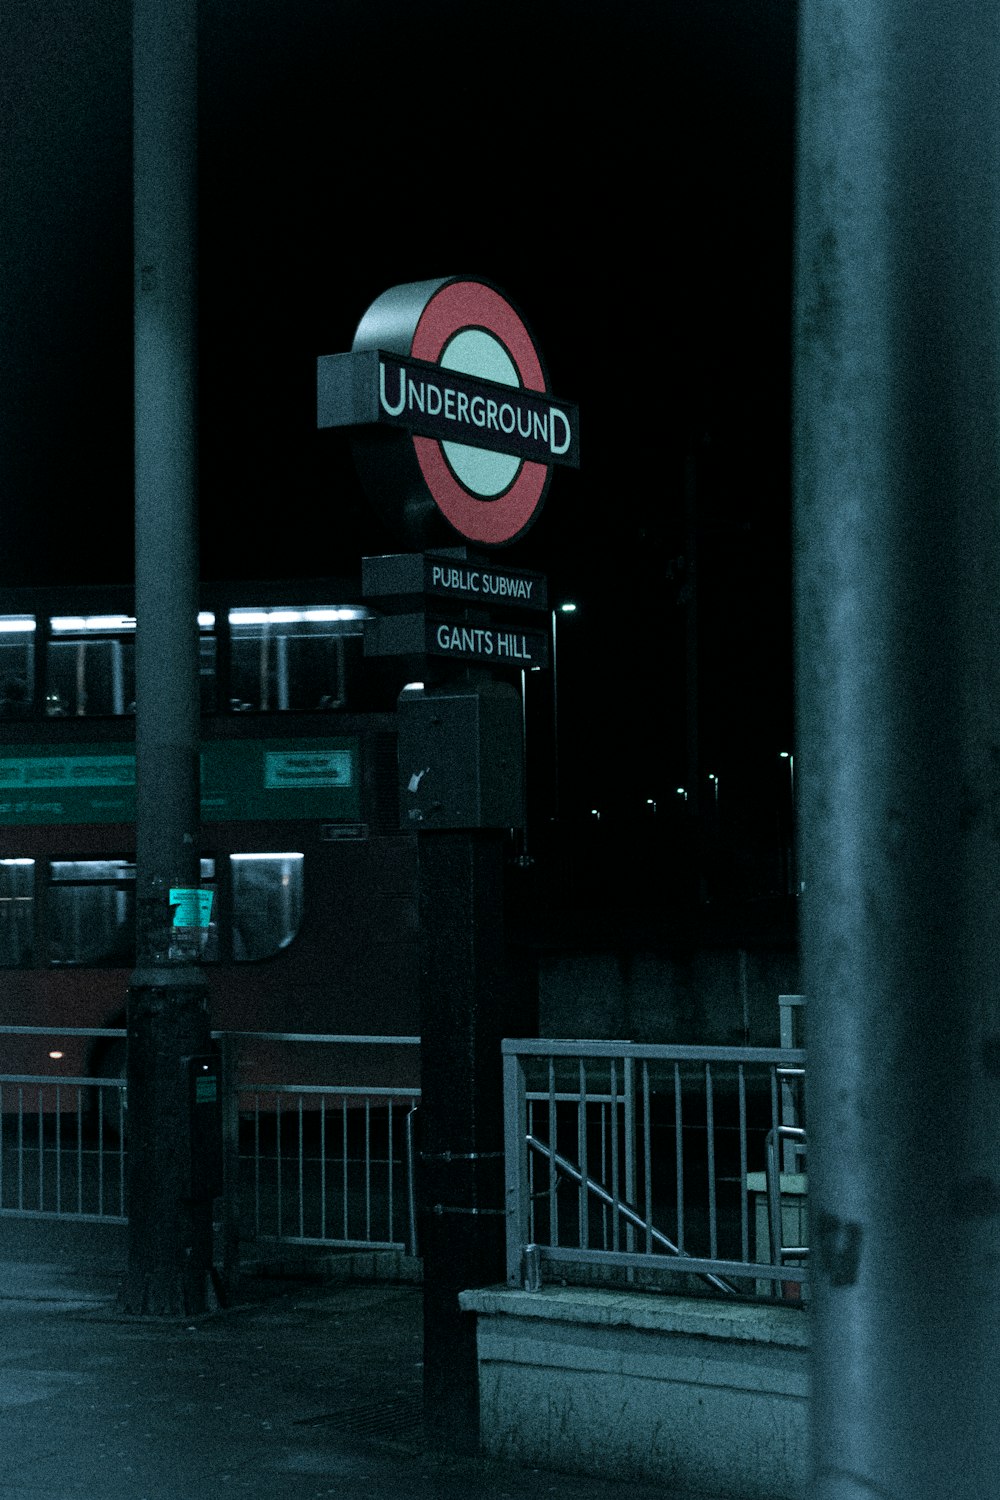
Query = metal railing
x=650 y=1162
x=62 y=1151
x=319 y=1164
x=304 y=1162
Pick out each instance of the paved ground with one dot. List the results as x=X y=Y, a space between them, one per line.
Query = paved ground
x=303 y=1389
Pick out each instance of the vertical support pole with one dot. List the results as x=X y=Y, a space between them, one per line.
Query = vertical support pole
x=465 y=1013
x=515 y=1165
x=170 y=1232
x=229 y=1048
x=897 y=545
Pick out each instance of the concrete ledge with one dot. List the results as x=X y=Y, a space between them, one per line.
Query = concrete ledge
x=332 y=1265
x=701 y=1394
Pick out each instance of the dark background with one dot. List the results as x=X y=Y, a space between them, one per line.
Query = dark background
x=625 y=174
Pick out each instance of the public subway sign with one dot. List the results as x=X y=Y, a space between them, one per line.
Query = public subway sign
x=415 y=575
x=453 y=424
x=420 y=634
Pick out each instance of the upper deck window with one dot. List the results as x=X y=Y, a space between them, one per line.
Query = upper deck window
x=91 y=664
x=17 y=908
x=290 y=658
x=17 y=665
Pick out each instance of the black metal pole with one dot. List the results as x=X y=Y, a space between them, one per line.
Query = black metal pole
x=464 y=1014
x=898 y=713
x=170 y=1225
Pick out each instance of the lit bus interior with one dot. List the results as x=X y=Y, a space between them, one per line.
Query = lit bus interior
x=312 y=882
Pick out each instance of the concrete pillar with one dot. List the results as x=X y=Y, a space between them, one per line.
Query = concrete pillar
x=897 y=557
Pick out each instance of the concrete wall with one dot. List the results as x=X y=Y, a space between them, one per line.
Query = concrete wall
x=715 y=997
x=701 y=1394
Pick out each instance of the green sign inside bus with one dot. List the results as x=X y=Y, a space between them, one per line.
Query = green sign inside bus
x=241 y=780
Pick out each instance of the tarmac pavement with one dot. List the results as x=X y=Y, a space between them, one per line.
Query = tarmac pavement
x=302 y=1389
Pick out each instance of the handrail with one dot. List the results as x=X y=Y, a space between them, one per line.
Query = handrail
x=627 y=1212
x=779 y=1252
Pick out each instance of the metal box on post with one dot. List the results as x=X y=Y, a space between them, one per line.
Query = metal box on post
x=460 y=760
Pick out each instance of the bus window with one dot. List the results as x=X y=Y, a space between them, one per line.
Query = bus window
x=293 y=658
x=206 y=666
x=17 y=665
x=267 y=903
x=91 y=912
x=90 y=666
x=17 y=912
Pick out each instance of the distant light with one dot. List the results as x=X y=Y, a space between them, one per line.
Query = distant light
x=11 y=623
x=568 y=608
x=784 y=755
x=650 y=802
x=206 y=619
x=681 y=792
x=413 y=687
x=17 y=861
x=57 y=1055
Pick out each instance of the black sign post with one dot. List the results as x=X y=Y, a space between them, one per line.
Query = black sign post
x=461 y=776
x=455 y=431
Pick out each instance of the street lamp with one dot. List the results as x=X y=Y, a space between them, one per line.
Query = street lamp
x=790 y=856
x=566 y=608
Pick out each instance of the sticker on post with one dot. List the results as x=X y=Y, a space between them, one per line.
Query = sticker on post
x=192 y=908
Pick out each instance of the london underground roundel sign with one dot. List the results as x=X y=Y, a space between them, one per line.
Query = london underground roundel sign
x=453 y=424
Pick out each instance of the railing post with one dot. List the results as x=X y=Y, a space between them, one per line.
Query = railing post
x=228 y=1048
x=411 y=1178
x=515 y=1150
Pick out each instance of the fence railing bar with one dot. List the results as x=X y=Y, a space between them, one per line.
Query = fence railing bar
x=647 y=1160
x=713 y=1224
x=322 y=1169
x=628 y=1069
x=343 y=1162
x=679 y=1154
x=302 y=1186
x=411 y=1191
x=553 y=1180
x=368 y=1170
x=744 y=1194
x=20 y=1148
x=58 y=1149
x=583 y=1197
x=41 y=1148
x=623 y=1209
x=389 y=1150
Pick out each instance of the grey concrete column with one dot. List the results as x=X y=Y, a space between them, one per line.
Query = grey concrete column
x=897 y=557
x=170 y=1223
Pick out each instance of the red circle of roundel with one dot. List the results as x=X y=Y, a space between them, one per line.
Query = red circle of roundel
x=471 y=304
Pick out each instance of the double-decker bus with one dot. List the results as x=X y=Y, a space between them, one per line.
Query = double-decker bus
x=313 y=924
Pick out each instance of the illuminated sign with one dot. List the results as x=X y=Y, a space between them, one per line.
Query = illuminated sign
x=411 y=573
x=450 y=411
x=418 y=634
x=240 y=780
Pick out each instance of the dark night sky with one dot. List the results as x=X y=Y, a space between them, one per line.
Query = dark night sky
x=623 y=173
